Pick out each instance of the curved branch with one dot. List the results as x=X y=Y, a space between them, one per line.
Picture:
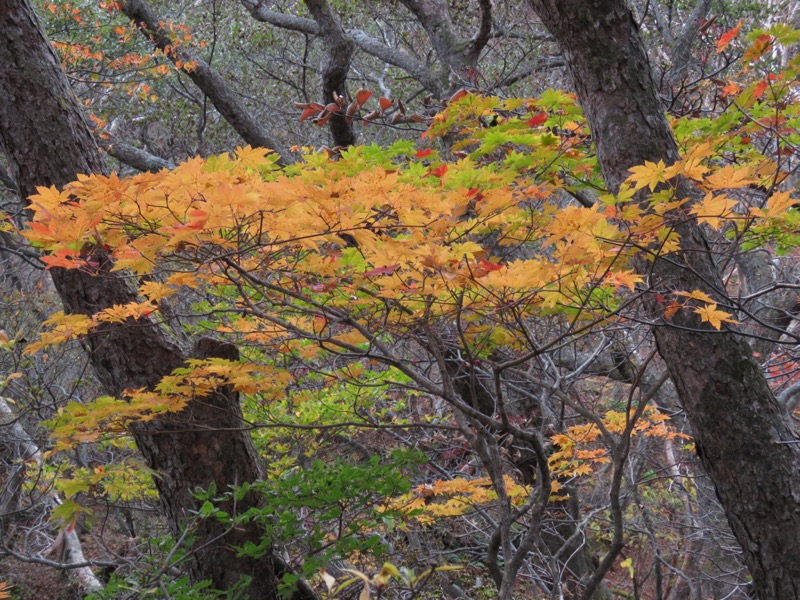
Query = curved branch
x=204 y=77
x=392 y=56
x=481 y=38
x=681 y=53
x=339 y=51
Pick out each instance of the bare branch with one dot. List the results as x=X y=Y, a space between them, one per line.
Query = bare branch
x=393 y=56
x=481 y=38
x=682 y=46
x=204 y=76
x=137 y=158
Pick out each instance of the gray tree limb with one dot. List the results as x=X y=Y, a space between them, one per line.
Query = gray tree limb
x=137 y=158
x=393 y=56
x=205 y=77
x=453 y=51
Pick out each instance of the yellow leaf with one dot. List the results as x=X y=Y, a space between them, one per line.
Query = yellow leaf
x=691 y=164
x=729 y=177
x=779 y=203
x=64 y=328
x=697 y=295
x=713 y=209
x=628 y=564
x=628 y=279
x=648 y=175
x=710 y=314
x=156 y=291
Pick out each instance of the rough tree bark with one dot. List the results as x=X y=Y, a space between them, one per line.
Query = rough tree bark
x=338 y=52
x=47 y=142
x=745 y=445
x=455 y=53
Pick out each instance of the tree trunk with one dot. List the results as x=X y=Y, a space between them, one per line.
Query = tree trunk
x=746 y=447
x=457 y=55
x=338 y=52
x=47 y=143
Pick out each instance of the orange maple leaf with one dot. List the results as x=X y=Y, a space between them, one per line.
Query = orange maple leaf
x=727 y=37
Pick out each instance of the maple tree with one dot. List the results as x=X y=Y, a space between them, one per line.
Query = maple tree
x=393 y=275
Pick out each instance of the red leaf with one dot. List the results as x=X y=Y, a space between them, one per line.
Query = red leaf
x=423 y=153
x=382 y=271
x=308 y=113
x=439 y=171
x=372 y=116
x=385 y=103
x=537 y=119
x=458 y=95
x=362 y=96
x=726 y=37
x=488 y=266
x=323 y=118
x=758 y=91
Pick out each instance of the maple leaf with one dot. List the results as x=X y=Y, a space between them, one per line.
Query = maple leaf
x=731 y=89
x=5 y=589
x=713 y=209
x=64 y=258
x=730 y=177
x=759 y=47
x=156 y=291
x=691 y=164
x=255 y=158
x=697 y=295
x=779 y=203
x=709 y=314
x=628 y=279
x=727 y=37
x=537 y=119
x=649 y=174
x=759 y=89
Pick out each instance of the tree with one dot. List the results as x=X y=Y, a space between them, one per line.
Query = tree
x=746 y=446
x=466 y=307
x=49 y=145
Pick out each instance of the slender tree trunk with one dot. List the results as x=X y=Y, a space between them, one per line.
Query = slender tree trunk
x=746 y=447
x=338 y=52
x=47 y=143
